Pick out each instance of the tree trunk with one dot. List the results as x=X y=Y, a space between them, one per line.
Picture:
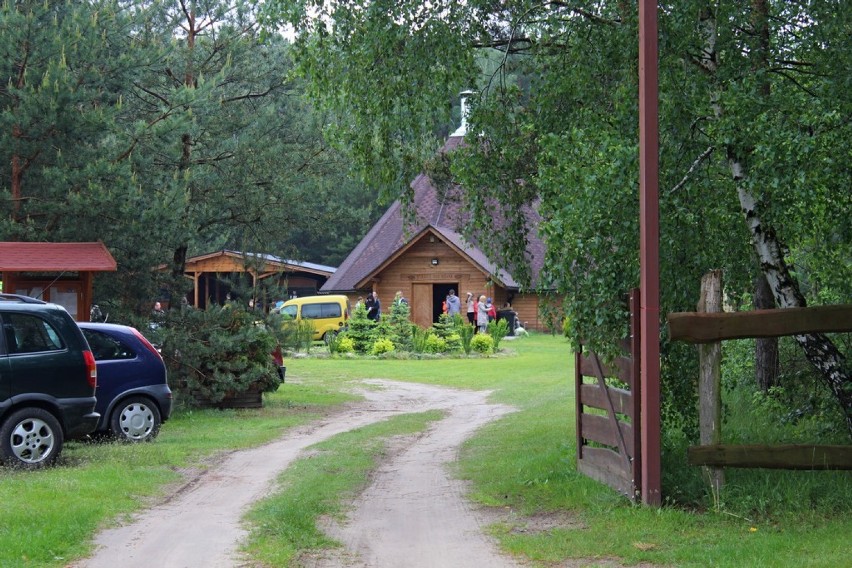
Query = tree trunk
x=766 y=365
x=818 y=348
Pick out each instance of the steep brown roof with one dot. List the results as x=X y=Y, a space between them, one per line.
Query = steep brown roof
x=55 y=257
x=444 y=215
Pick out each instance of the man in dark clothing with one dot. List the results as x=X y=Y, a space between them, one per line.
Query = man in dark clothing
x=374 y=307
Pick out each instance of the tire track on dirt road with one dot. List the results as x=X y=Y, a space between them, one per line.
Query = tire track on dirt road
x=424 y=508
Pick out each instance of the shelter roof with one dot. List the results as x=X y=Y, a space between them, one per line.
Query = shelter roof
x=268 y=260
x=55 y=257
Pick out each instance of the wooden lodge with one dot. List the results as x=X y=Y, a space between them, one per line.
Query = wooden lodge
x=426 y=259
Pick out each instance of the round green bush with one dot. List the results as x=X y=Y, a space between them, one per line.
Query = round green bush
x=435 y=344
x=345 y=345
x=383 y=345
x=482 y=343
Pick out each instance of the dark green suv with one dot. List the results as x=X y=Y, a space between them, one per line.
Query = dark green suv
x=47 y=381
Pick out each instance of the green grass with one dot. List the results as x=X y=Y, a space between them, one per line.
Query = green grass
x=49 y=516
x=285 y=525
x=524 y=462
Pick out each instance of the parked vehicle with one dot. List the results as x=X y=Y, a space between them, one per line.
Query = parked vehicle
x=328 y=314
x=134 y=397
x=47 y=382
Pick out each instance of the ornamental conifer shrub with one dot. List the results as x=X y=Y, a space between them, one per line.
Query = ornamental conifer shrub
x=213 y=353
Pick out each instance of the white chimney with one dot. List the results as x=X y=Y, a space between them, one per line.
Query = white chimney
x=465 y=110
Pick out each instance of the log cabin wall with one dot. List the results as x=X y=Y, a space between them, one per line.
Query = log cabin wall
x=527 y=307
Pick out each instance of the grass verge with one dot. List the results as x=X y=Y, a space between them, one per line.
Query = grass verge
x=50 y=516
x=285 y=526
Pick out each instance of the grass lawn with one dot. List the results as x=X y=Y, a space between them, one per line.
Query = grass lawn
x=524 y=463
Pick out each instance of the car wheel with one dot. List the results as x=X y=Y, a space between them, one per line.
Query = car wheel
x=329 y=336
x=135 y=419
x=30 y=438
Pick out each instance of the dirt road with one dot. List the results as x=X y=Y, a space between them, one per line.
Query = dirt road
x=413 y=514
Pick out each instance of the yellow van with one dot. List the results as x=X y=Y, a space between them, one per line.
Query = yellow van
x=328 y=314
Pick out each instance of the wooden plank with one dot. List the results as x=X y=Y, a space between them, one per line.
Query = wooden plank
x=791 y=456
x=706 y=328
x=600 y=429
x=621 y=368
x=605 y=465
x=592 y=395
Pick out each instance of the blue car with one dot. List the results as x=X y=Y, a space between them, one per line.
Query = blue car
x=133 y=394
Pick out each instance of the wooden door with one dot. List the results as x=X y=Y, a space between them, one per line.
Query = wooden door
x=421 y=304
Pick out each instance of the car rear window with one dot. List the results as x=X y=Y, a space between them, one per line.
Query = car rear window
x=107 y=348
x=27 y=333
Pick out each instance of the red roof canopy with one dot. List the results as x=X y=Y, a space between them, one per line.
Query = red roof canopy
x=55 y=257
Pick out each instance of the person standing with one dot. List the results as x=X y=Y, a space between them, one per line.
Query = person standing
x=471 y=308
x=482 y=315
x=374 y=309
x=453 y=303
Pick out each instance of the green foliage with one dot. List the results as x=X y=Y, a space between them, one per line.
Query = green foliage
x=498 y=329
x=399 y=326
x=419 y=339
x=435 y=344
x=382 y=345
x=216 y=352
x=361 y=331
x=466 y=333
x=553 y=126
x=343 y=345
x=482 y=343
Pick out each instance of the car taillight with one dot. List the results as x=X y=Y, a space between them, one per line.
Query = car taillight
x=147 y=343
x=91 y=369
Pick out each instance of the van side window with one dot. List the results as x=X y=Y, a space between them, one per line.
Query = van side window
x=312 y=311
x=29 y=334
x=289 y=312
x=331 y=310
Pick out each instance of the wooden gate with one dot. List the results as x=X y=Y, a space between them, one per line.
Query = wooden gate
x=608 y=401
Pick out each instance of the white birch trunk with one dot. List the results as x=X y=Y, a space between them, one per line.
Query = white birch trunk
x=818 y=348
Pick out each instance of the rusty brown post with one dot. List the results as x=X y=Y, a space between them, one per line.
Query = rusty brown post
x=649 y=254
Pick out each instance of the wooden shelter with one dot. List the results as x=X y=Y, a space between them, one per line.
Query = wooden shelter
x=427 y=258
x=217 y=274
x=61 y=273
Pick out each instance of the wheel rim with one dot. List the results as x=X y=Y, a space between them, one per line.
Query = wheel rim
x=136 y=421
x=32 y=440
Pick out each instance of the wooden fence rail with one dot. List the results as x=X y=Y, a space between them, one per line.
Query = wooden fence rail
x=710 y=328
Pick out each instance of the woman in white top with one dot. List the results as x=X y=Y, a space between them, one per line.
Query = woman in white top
x=482 y=314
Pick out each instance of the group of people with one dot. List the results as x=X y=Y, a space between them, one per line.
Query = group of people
x=480 y=310
x=373 y=305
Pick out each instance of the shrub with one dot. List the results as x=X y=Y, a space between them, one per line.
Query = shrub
x=454 y=342
x=419 y=338
x=482 y=343
x=435 y=344
x=216 y=352
x=498 y=330
x=362 y=331
x=382 y=345
x=341 y=344
x=399 y=326
x=466 y=333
